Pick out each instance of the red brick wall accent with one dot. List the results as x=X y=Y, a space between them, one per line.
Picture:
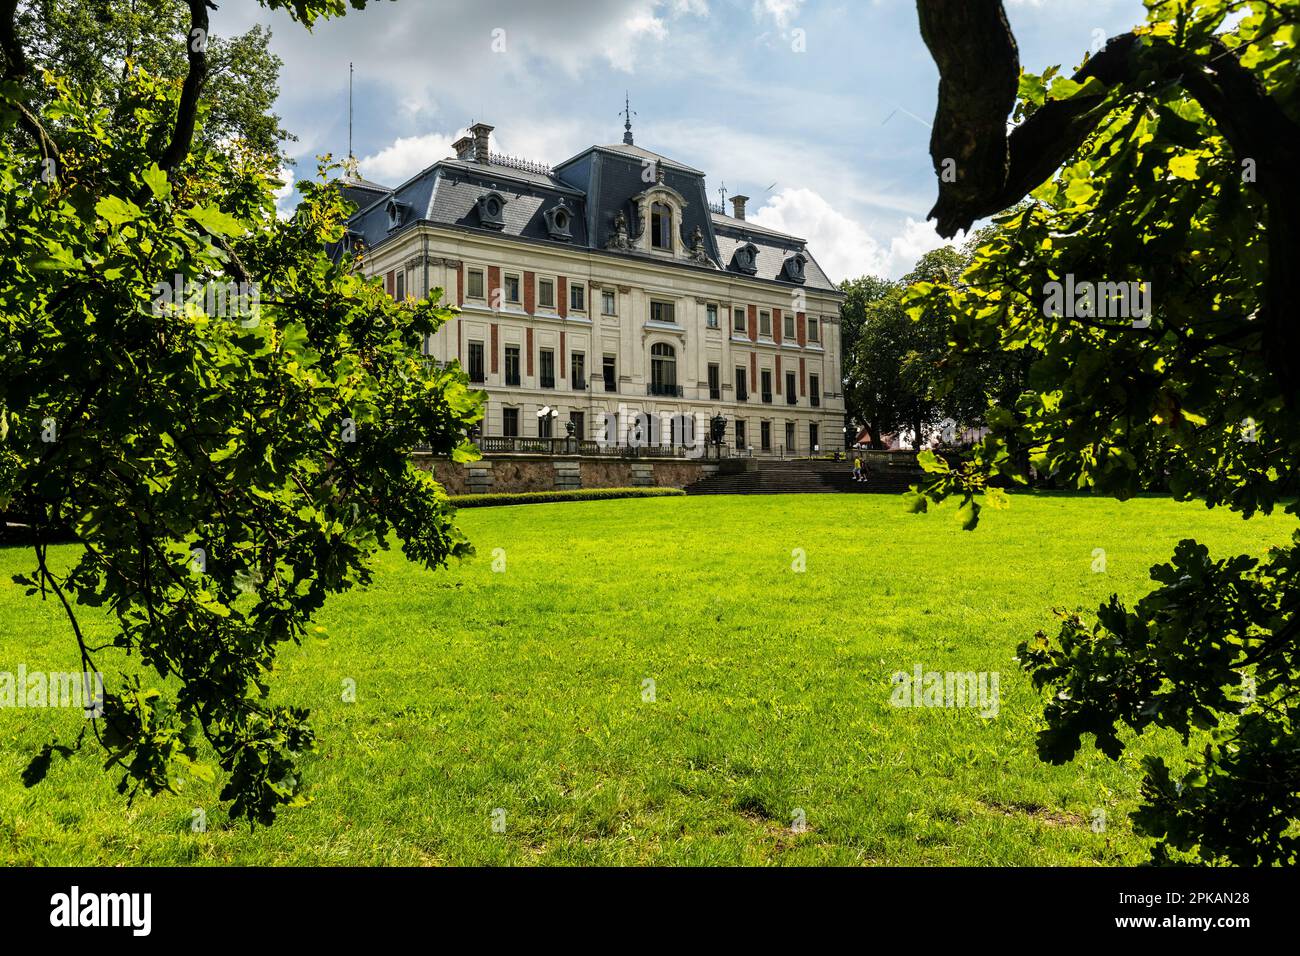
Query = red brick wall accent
x=496 y=349
x=777 y=329
x=495 y=293
x=390 y=283
x=753 y=372
x=753 y=323
x=564 y=357
x=460 y=283
x=779 y=376
x=530 y=293
x=803 y=381
x=801 y=328
x=562 y=290
x=529 y=349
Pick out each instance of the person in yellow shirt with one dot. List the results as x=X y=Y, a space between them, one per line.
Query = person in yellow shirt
x=857 y=469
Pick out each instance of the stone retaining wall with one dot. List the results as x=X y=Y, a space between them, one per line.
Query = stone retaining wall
x=510 y=474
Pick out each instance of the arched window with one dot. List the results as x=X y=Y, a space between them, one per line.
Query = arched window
x=663 y=369
x=661 y=224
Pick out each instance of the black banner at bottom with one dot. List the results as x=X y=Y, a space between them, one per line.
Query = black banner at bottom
x=335 y=906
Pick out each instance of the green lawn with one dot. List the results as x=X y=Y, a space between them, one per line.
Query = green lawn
x=523 y=690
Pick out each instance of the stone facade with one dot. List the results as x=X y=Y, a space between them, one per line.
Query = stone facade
x=609 y=287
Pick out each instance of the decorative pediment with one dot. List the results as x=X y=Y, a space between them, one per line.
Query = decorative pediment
x=491 y=210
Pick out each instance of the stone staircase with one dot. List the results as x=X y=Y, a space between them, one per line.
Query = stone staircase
x=886 y=474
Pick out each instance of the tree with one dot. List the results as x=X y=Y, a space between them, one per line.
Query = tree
x=1162 y=198
x=221 y=469
x=859 y=294
x=90 y=45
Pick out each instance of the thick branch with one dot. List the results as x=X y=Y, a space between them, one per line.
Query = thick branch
x=186 y=112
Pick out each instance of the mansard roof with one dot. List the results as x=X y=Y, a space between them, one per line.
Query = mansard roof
x=594 y=186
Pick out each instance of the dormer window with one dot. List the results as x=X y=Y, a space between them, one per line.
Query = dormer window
x=661 y=222
x=491 y=206
x=396 y=213
x=745 y=259
x=353 y=242
x=558 y=221
x=792 y=271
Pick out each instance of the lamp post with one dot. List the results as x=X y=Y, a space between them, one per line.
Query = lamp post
x=546 y=413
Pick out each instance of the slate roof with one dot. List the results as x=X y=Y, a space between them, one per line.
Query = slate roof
x=595 y=185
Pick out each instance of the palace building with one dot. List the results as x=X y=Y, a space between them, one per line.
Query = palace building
x=608 y=285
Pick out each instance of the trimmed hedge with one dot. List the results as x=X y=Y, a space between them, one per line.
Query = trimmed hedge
x=577 y=494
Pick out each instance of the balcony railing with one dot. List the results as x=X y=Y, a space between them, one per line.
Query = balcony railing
x=505 y=445
x=665 y=390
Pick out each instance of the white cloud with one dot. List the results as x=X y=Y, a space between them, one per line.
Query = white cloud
x=285 y=194
x=781 y=12
x=405 y=157
x=842 y=246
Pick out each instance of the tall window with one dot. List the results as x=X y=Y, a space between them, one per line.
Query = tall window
x=510 y=422
x=512 y=288
x=814 y=439
x=546 y=358
x=544 y=429
x=789 y=437
x=401 y=286
x=715 y=382
x=765 y=378
x=607 y=370
x=579 y=420
x=661 y=221
x=662 y=312
x=765 y=435
x=578 y=297
x=474 y=284
x=711 y=315
x=742 y=385
x=578 y=370
x=814 y=391
x=738 y=321
x=546 y=293
x=476 y=362
x=608 y=304
x=791 y=386
x=765 y=324
x=512 y=365
x=788 y=322
x=663 y=369
x=814 y=329
x=740 y=434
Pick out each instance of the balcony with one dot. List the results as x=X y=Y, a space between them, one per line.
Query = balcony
x=665 y=390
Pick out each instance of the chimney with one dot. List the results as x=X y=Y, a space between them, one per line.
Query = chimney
x=464 y=148
x=480 y=132
x=738 y=206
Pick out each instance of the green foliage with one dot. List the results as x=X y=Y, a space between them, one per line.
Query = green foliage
x=544 y=497
x=1184 y=394
x=87 y=44
x=222 y=474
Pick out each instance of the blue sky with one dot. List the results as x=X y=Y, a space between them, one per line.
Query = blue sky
x=815 y=109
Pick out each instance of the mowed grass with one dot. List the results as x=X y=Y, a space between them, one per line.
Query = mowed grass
x=516 y=696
